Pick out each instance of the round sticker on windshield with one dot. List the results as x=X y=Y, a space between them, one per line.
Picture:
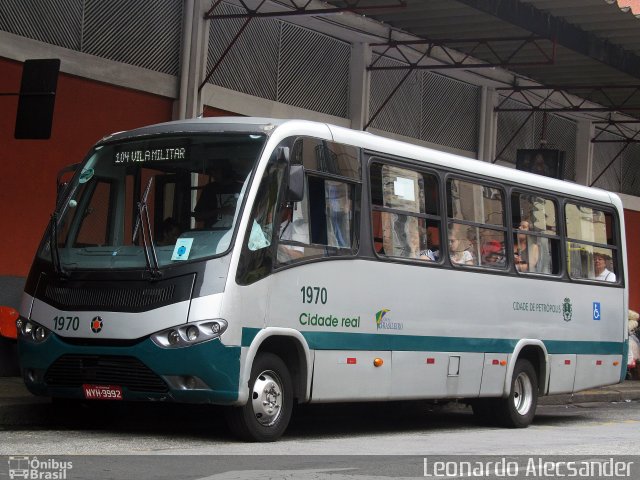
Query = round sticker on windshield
x=86 y=175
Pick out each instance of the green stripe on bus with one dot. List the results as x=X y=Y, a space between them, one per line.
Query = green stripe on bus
x=248 y=334
x=584 y=348
x=411 y=343
x=365 y=341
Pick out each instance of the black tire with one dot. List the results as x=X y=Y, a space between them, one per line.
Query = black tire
x=519 y=408
x=266 y=414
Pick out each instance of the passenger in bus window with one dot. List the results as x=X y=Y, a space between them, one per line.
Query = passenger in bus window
x=431 y=253
x=493 y=254
x=600 y=267
x=459 y=255
x=526 y=253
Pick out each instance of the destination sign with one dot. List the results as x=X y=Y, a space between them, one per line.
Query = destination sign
x=125 y=157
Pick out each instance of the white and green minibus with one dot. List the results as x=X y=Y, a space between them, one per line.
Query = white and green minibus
x=258 y=263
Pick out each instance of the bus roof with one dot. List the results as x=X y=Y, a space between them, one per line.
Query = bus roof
x=376 y=143
x=464 y=164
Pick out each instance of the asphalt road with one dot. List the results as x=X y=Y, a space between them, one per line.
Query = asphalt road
x=336 y=442
x=38 y=427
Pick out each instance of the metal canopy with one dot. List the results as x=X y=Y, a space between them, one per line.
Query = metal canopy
x=597 y=43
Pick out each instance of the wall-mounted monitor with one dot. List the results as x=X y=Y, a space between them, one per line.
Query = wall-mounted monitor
x=542 y=161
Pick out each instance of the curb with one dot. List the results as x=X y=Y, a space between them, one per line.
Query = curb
x=623 y=392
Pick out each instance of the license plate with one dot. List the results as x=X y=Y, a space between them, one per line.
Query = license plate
x=102 y=392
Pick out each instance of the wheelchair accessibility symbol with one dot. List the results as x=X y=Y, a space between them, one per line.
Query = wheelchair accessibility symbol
x=596 y=310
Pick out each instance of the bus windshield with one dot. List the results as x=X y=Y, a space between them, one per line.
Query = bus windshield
x=169 y=199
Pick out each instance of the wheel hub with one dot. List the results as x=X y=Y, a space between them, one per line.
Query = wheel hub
x=522 y=394
x=267 y=398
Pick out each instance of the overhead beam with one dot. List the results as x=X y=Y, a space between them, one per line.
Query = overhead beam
x=394 y=48
x=572 y=98
x=300 y=8
x=617 y=129
x=467 y=60
x=541 y=23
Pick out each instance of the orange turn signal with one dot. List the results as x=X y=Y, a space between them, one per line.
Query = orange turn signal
x=377 y=362
x=503 y=362
x=615 y=364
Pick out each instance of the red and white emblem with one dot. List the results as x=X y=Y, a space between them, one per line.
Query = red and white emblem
x=96 y=325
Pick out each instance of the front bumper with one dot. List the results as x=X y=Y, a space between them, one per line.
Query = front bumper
x=204 y=373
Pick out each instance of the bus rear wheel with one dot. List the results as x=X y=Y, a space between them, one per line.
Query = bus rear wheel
x=519 y=408
x=266 y=414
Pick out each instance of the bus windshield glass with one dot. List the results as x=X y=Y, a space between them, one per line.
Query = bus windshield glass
x=171 y=198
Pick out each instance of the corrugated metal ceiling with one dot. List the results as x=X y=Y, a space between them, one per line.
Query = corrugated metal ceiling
x=597 y=42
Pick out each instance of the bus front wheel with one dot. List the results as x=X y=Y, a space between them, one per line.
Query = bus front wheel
x=266 y=414
x=519 y=408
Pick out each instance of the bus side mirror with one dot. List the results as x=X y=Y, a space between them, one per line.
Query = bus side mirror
x=295 y=190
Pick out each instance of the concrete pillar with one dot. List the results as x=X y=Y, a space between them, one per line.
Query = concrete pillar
x=584 y=152
x=359 y=85
x=488 y=125
x=193 y=62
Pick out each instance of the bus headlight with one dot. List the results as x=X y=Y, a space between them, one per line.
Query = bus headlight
x=173 y=337
x=32 y=331
x=190 y=333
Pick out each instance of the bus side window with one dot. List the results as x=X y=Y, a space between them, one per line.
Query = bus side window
x=477 y=232
x=535 y=238
x=323 y=223
x=592 y=252
x=326 y=157
x=405 y=216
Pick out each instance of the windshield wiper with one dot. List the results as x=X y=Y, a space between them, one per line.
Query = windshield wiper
x=53 y=247
x=147 y=236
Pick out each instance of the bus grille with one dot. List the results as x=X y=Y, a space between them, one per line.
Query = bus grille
x=129 y=372
x=107 y=298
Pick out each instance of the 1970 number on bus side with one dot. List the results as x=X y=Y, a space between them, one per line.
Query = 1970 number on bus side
x=314 y=295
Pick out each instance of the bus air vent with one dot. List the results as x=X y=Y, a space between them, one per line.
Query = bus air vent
x=129 y=372
x=109 y=298
x=121 y=296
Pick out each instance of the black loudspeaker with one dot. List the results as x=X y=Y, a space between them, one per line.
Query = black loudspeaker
x=37 y=99
x=542 y=161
